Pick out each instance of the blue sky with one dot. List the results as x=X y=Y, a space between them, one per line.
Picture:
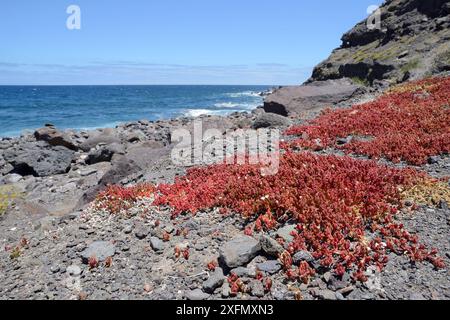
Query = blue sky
x=171 y=41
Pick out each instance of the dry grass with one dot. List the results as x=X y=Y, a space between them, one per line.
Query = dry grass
x=429 y=192
x=7 y=196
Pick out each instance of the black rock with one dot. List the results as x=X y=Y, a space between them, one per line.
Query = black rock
x=214 y=281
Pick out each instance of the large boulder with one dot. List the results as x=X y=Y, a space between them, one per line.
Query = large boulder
x=55 y=137
x=271 y=120
x=239 y=251
x=39 y=159
x=101 y=250
x=104 y=153
x=137 y=158
x=121 y=168
x=104 y=136
x=291 y=101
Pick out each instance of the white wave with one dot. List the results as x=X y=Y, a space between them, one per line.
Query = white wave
x=198 y=112
x=243 y=94
x=100 y=126
x=227 y=105
x=237 y=106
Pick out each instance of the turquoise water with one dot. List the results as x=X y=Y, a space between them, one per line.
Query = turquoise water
x=88 y=107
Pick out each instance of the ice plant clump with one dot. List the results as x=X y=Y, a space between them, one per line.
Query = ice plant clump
x=409 y=123
x=116 y=199
x=344 y=207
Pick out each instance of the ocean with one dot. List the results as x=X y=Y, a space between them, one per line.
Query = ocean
x=26 y=108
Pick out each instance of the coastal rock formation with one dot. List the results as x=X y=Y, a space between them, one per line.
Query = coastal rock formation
x=411 y=41
x=62 y=171
x=270 y=120
x=291 y=101
x=136 y=255
x=52 y=230
x=38 y=159
x=55 y=137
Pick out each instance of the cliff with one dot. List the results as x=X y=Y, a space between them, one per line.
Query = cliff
x=411 y=41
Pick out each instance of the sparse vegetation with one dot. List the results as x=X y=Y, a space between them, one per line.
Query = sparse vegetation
x=373 y=51
x=429 y=192
x=411 y=65
x=7 y=195
x=360 y=81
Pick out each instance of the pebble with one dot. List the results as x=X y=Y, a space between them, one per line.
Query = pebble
x=244 y=272
x=256 y=288
x=169 y=229
x=74 y=270
x=270 y=246
x=128 y=229
x=156 y=244
x=326 y=295
x=196 y=295
x=215 y=280
x=55 y=268
x=339 y=296
x=285 y=233
x=141 y=233
x=417 y=297
x=271 y=266
x=226 y=290
x=302 y=256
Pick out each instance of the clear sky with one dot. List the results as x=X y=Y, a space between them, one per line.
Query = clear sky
x=171 y=41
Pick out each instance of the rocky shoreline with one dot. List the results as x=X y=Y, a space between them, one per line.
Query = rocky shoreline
x=57 y=174
x=50 y=230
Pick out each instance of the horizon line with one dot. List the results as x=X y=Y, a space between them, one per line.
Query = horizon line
x=139 y=85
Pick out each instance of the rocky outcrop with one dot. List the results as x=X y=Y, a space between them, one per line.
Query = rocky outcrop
x=38 y=159
x=105 y=137
x=62 y=171
x=270 y=120
x=411 y=41
x=293 y=101
x=55 y=137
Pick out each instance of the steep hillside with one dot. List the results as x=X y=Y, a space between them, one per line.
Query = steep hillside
x=410 y=42
x=413 y=41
